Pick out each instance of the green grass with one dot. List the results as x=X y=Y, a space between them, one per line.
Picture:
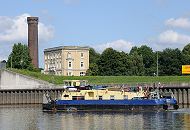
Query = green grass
x=107 y=79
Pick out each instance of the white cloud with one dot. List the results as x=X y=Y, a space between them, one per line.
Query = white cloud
x=45 y=32
x=171 y=36
x=170 y=39
x=180 y=22
x=2 y=58
x=15 y=29
x=120 y=45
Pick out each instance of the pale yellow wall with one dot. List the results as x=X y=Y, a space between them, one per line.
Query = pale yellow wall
x=60 y=63
x=76 y=60
x=118 y=95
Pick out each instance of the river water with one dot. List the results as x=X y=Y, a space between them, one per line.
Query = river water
x=31 y=117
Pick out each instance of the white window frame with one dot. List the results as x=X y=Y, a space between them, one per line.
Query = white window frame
x=81 y=64
x=69 y=65
x=82 y=73
x=69 y=55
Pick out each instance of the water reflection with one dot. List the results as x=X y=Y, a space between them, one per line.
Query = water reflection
x=31 y=117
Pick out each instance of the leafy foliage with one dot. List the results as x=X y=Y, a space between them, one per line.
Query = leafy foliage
x=19 y=57
x=170 y=62
x=137 y=66
x=110 y=63
x=93 y=59
x=141 y=61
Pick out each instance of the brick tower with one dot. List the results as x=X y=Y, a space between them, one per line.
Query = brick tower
x=33 y=39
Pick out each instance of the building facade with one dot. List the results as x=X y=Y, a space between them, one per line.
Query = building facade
x=66 y=60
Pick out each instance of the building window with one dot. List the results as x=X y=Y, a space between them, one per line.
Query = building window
x=68 y=55
x=100 y=97
x=69 y=73
x=57 y=65
x=70 y=64
x=82 y=73
x=81 y=64
x=82 y=55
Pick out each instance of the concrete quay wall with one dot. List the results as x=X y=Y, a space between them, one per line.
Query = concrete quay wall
x=12 y=80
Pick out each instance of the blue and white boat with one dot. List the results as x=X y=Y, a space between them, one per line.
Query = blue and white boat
x=111 y=99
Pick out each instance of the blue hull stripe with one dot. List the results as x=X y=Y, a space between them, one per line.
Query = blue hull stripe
x=115 y=102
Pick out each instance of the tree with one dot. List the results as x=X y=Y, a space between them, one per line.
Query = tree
x=136 y=64
x=110 y=63
x=186 y=50
x=133 y=49
x=170 y=62
x=93 y=59
x=19 y=57
x=149 y=59
x=93 y=70
x=93 y=56
x=186 y=54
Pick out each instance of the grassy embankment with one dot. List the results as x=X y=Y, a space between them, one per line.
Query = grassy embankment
x=107 y=79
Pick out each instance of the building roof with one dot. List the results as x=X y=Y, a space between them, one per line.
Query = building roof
x=66 y=48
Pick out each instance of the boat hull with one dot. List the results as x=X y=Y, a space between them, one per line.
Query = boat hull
x=50 y=107
x=108 y=105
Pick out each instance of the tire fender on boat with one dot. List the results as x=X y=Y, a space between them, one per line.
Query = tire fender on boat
x=175 y=106
x=165 y=107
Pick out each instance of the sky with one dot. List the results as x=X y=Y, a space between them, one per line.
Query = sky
x=120 y=24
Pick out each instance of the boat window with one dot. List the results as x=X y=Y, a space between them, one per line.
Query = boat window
x=67 y=83
x=125 y=96
x=66 y=95
x=136 y=98
x=91 y=94
x=112 y=97
x=77 y=97
x=100 y=97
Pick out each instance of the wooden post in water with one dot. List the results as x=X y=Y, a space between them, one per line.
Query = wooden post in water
x=40 y=96
x=8 y=97
x=188 y=96
x=24 y=97
x=185 y=96
x=182 y=90
x=1 y=98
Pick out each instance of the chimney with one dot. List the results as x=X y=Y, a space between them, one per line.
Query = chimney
x=33 y=39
